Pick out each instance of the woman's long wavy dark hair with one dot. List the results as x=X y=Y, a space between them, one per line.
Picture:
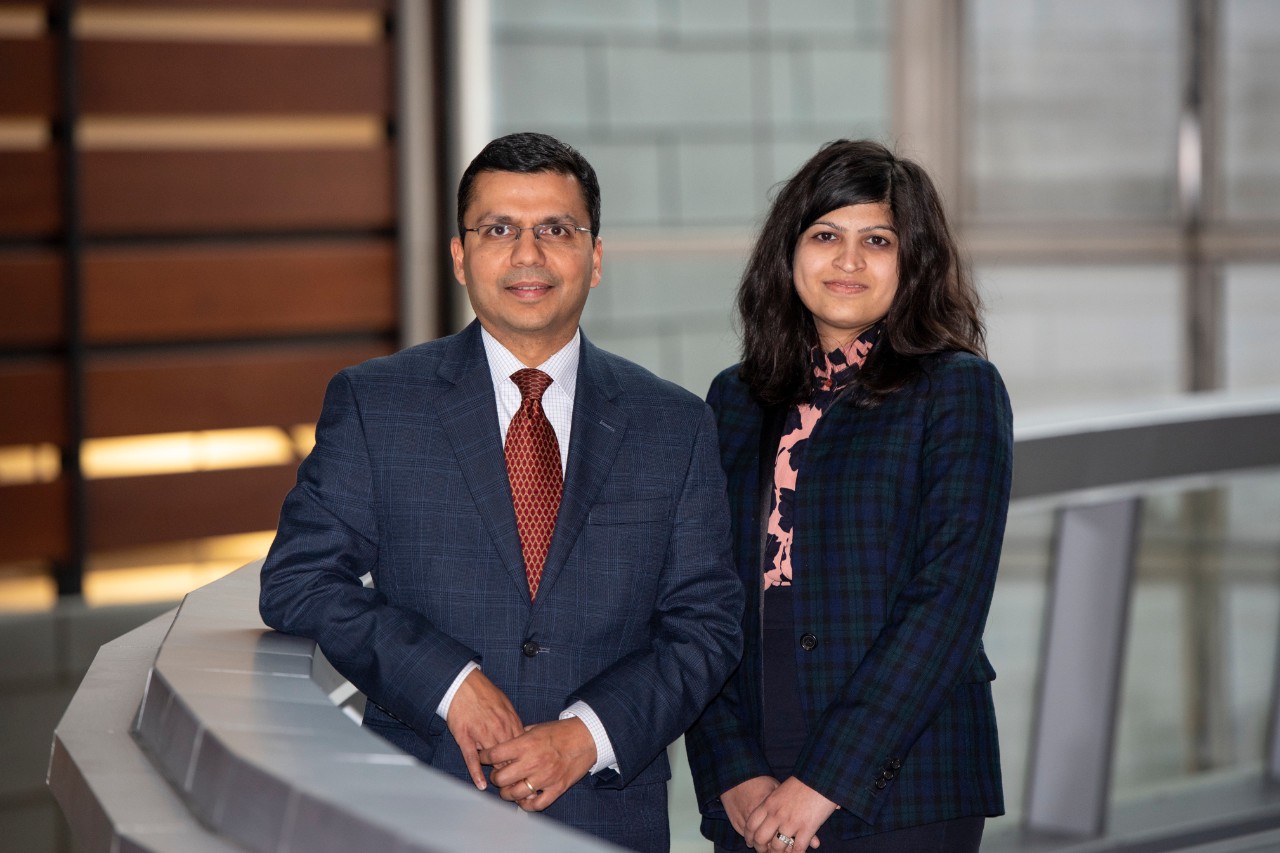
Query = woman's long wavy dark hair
x=936 y=307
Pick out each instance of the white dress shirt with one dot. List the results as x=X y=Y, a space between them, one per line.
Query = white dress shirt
x=557 y=403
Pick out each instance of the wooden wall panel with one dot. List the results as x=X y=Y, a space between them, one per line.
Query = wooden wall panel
x=28 y=77
x=257 y=5
x=33 y=522
x=31 y=299
x=180 y=192
x=29 y=193
x=239 y=291
x=136 y=393
x=149 y=78
x=33 y=396
x=132 y=511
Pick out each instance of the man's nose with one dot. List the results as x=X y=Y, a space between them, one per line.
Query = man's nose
x=526 y=249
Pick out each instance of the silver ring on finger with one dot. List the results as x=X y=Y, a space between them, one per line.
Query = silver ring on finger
x=786 y=840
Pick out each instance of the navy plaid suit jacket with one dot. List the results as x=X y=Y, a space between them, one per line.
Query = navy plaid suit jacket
x=638 y=611
x=900 y=514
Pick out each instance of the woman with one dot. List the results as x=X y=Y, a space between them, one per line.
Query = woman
x=868 y=449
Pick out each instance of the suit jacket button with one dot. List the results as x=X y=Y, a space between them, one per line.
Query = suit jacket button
x=808 y=641
x=530 y=648
x=881 y=784
x=895 y=764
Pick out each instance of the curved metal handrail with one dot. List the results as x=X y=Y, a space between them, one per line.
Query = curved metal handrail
x=1102 y=453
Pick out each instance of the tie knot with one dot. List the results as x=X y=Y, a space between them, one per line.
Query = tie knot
x=531 y=382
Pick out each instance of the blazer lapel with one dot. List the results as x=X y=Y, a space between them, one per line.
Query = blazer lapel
x=470 y=419
x=598 y=429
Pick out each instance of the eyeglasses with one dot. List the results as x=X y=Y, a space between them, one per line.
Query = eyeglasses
x=550 y=233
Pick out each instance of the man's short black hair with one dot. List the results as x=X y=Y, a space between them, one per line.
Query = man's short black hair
x=530 y=153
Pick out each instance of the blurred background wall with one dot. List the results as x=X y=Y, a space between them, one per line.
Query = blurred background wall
x=206 y=208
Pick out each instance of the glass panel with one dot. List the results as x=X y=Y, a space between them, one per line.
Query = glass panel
x=754 y=98
x=690 y=111
x=1071 y=110
x=1065 y=335
x=669 y=312
x=1012 y=640
x=1201 y=654
x=1251 y=120
x=1252 y=318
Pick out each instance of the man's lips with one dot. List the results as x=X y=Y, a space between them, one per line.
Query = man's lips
x=527 y=289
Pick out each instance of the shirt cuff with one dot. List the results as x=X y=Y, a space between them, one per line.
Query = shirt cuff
x=442 y=710
x=605 y=758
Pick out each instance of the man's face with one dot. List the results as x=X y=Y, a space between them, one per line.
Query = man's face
x=528 y=293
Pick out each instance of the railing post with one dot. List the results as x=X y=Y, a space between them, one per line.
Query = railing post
x=1069 y=777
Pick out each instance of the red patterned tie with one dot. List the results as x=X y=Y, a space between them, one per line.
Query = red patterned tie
x=533 y=464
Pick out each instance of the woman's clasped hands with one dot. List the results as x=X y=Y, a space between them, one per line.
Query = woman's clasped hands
x=777 y=817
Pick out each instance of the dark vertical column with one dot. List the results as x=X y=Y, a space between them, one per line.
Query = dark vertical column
x=69 y=574
x=444 y=120
x=419 y=239
x=1203 y=354
x=1205 y=698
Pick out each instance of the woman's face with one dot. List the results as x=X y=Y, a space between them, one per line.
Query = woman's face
x=845 y=270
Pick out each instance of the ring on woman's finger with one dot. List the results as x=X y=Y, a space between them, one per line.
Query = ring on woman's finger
x=533 y=792
x=786 y=840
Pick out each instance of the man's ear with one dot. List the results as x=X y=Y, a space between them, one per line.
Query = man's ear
x=459 y=254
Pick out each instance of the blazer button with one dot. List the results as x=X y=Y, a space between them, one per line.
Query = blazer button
x=808 y=641
x=530 y=648
x=895 y=764
x=881 y=784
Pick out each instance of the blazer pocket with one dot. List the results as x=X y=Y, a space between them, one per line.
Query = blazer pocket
x=980 y=671
x=645 y=511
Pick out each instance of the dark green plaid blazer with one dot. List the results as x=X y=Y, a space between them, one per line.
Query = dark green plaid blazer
x=899 y=517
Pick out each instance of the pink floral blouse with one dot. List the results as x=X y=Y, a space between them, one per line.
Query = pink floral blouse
x=833 y=372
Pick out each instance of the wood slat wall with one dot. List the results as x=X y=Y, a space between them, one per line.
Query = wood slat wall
x=28 y=80
x=34 y=392
x=194 y=192
x=128 y=394
x=126 y=512
x=224 y=269
x=211 y=292
x=29 y=186
x=150 y=78
x=31 y=299
x=35 y=522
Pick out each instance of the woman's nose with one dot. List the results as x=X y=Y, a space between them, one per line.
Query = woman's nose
x=849 y=259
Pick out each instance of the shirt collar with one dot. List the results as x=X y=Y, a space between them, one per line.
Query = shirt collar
x=562 y=366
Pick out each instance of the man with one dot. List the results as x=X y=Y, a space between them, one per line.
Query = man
x=548 y=548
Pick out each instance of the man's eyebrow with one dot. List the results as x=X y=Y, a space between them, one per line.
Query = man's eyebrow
x=508 y=219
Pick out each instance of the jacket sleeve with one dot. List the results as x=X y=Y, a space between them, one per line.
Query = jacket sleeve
x=934 y=629
x=648 y=698
x=311 y=581
x=722 y=749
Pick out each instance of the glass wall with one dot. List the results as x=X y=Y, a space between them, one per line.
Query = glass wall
x=1251 y=120
x=1092 y=244
x=690 y=110
x=1071 y=110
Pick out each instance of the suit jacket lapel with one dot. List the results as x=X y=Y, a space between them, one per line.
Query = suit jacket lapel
x=598 y=429
x=470 y=419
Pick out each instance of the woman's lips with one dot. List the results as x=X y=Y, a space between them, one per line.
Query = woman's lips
x=845 y=286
